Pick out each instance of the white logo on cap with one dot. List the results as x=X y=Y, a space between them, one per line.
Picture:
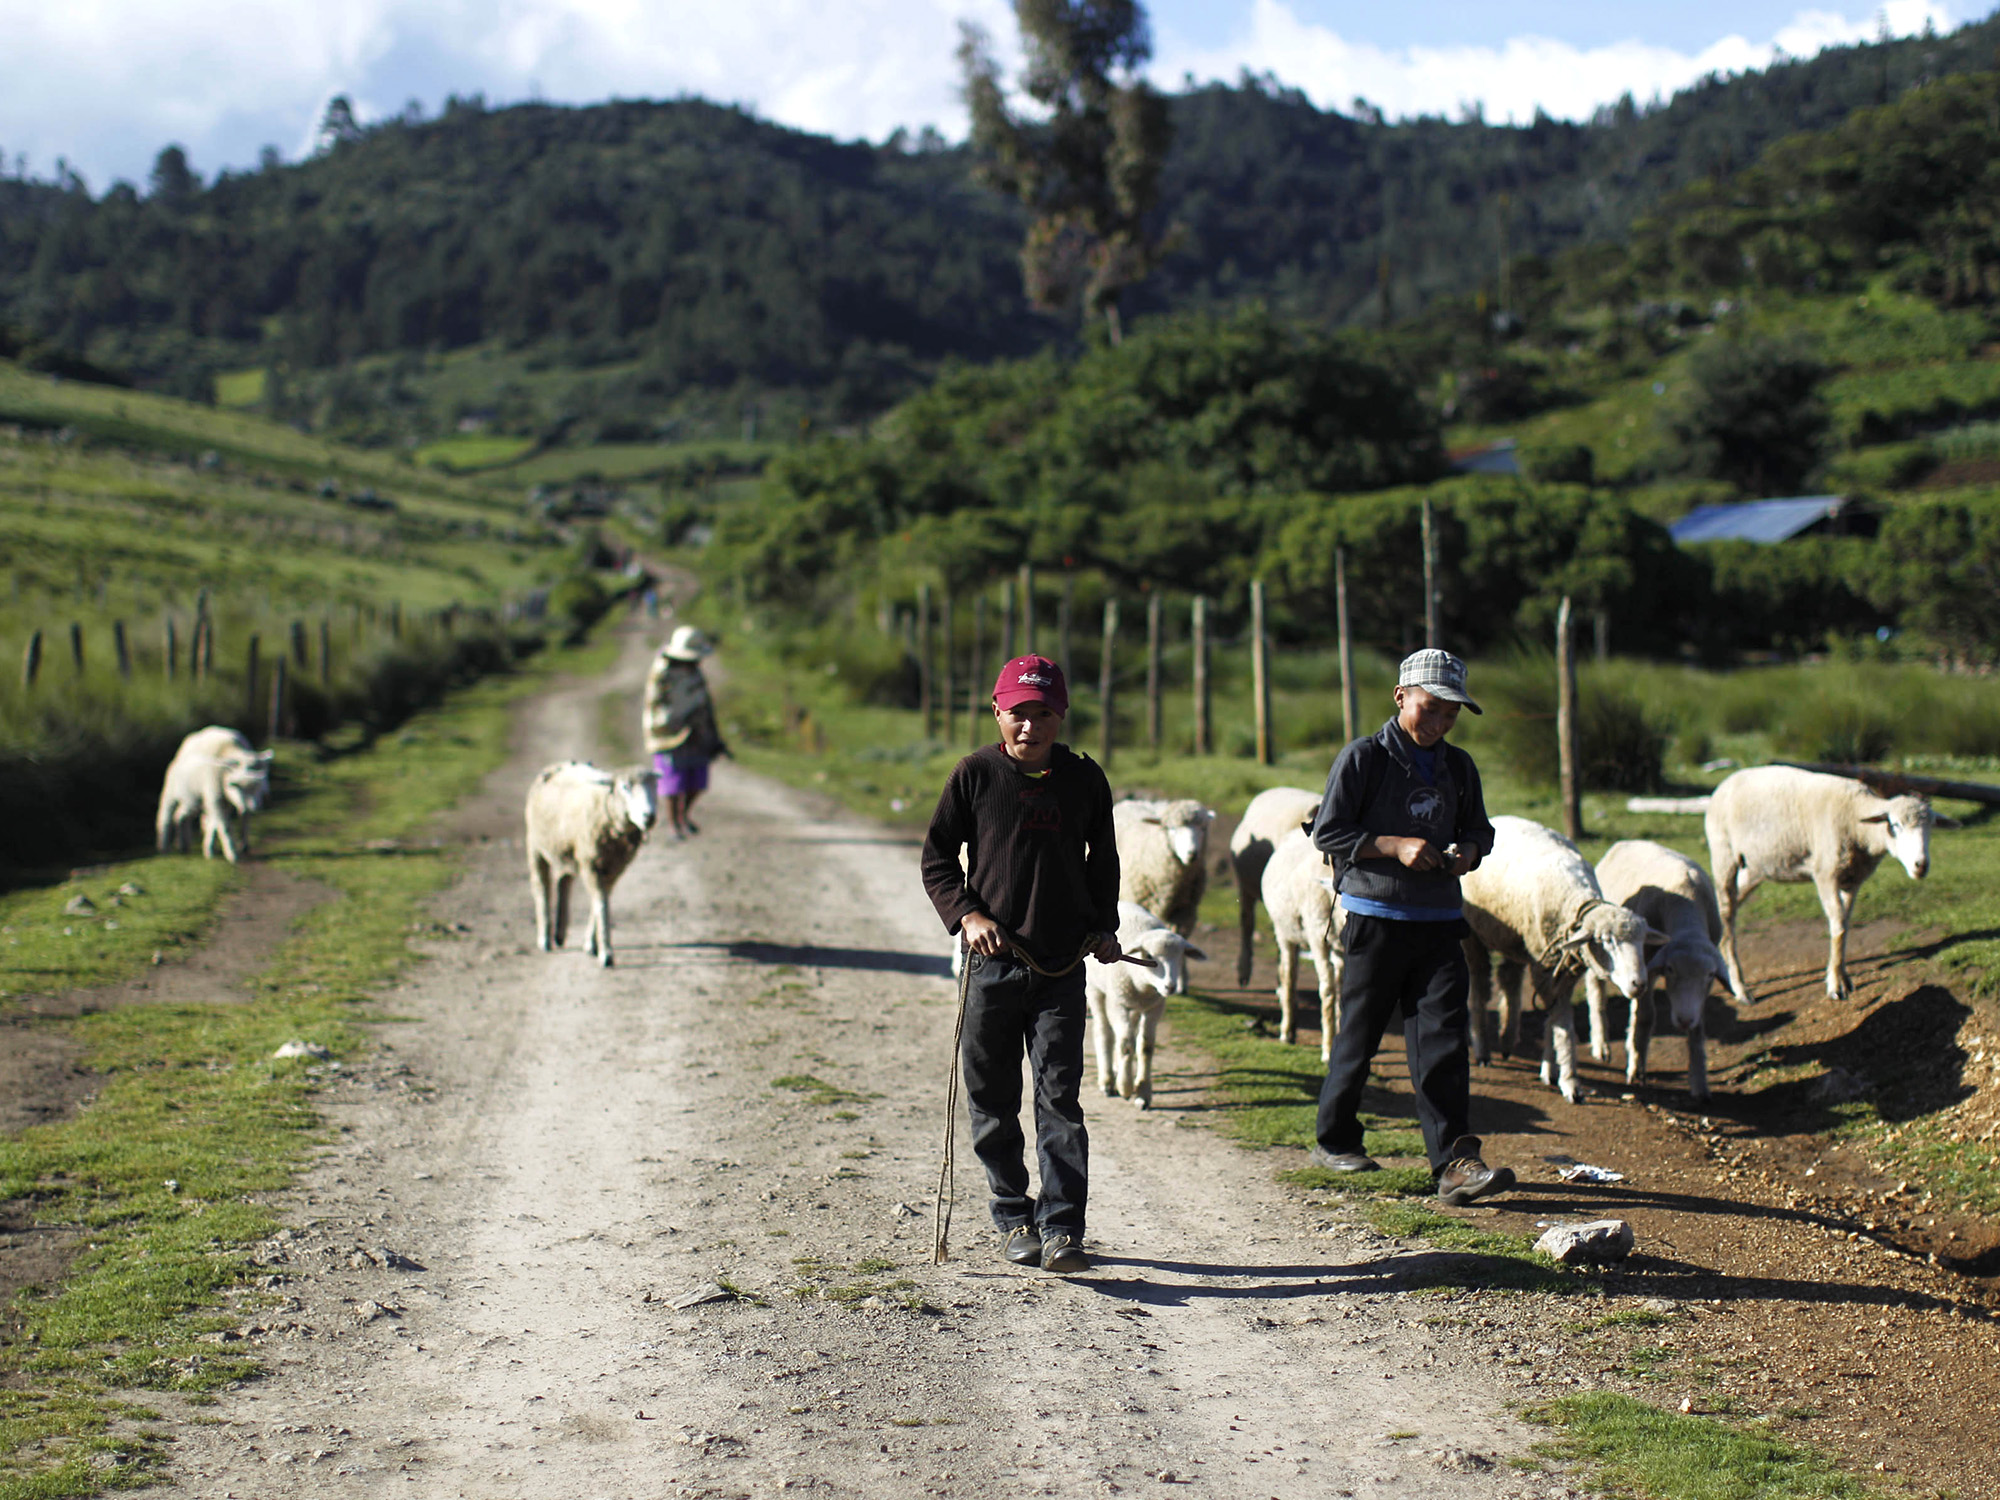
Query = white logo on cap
x=1033 y=679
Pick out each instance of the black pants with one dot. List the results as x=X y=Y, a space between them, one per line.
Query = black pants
x=1418 y=968
x=1011 y=1010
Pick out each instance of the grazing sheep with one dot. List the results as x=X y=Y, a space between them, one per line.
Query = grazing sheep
x=1534 y=903
x=1160 y=858
x=589 y=823
x=214 y=782
x=1126 y=1001
x=1672 y=895
x=1298 y=892
x=1270 y=816
x=1780 y=823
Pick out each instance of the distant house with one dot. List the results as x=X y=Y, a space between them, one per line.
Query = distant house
x=1489 y=458
x=1772 y=521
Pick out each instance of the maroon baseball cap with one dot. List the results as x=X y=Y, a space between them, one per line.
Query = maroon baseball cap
x=1031 y=677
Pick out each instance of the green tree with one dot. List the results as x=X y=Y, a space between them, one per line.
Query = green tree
x=1089 y=173
x=1754 y=415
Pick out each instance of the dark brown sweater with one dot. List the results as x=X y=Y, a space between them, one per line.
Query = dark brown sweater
x=1041 y=857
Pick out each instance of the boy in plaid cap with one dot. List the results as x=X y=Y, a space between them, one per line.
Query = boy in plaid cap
x=1403 y=818
x=1038 y=890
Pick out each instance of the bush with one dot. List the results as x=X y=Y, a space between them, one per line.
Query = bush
x=1753 y=414
x=1622 y=741
x=577 y=603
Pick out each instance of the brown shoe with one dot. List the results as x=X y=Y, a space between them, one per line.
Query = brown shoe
x=1466 y=1178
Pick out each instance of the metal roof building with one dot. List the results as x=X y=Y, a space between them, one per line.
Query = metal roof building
x=1770 y=521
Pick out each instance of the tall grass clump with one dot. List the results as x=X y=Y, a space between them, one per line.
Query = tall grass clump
x=1622 y=734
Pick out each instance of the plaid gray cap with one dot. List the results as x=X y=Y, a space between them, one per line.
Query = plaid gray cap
x=1436 y=672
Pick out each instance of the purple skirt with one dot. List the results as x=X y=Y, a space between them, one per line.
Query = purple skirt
x=680 y=773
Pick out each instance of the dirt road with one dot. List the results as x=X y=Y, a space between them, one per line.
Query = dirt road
x=488 y=1290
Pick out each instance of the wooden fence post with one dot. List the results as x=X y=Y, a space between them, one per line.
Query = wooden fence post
x=974 y=728
x=1602 y=621
x=76 y=646
x=1007 y=651
x=1199 y=633
x=31 y=660
x=250 y=687
x=1260 y=671
x=280 y=721
x=1431 y=633
x=1350 y=696
x=325 y=651
x=1063 y=606
x=396 y=619
x=947 y=664
x=1154 y=608
x=299 y=658
x=121 y=649
x=1027 y=610
x=173 y=651
x=1566 y=726
x=1106 y=667
x=208 y=646
x=925 y=707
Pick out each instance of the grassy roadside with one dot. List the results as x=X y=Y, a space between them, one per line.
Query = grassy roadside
x=157 y=1182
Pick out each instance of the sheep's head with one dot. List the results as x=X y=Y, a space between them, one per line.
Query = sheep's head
x=1688 y=965
x=1906 y=828
x=638 y=792
x=246 y=785
x=1614 y=943
x=1169 y=952
x=1186 y=826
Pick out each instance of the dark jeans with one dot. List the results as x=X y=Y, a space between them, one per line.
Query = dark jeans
x=1011 y=1010
x=1418 y=968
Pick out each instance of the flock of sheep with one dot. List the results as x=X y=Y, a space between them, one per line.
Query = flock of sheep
x=1537 y=910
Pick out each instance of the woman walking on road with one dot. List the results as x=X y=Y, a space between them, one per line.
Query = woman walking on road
x=680 y=724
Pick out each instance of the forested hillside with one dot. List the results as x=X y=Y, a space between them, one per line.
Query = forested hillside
x=684 y=248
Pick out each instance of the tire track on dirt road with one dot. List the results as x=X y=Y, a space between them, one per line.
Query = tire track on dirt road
x=752 y=1097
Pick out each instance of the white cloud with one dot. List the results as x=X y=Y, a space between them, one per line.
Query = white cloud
x=1515 y=78
x=106 y=83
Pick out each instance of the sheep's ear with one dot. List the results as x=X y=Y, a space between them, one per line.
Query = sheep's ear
x=1193 y=952
x=1944 y=820
x=1208 y=815
x=1574 y=941
x=1880 y=817
x=1655 y=938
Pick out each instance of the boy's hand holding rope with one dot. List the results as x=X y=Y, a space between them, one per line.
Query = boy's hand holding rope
x=1094 y=945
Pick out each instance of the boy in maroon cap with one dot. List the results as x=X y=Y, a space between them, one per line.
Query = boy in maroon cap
x=1038 y=890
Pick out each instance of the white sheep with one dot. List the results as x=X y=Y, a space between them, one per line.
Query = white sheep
x=584 y=823
x=1781 y=823
x=1672 y=895
x=1126 y=1001
x=1534 y=903
x=1298 y=892
x=214 y=782
x=1271 y=815
x=1161 y=863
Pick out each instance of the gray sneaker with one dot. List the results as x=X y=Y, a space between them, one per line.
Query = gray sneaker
x=1063 y=1255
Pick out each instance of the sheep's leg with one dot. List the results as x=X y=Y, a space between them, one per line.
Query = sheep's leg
x=1124 y=1044
x=1479 y=965
x=215 y=822
x=1100 y=1025
x=1511 y=1003
x=540 y=880
x=1836 y=903
x=1142 y=1084
x=1600 y=1031
x=563 y=883
x=1638 y=1032
x=1288 y=987
x=600 y=924
x=1326 y=971
x=1730 y=893
x=1561 y=1046
x=1247 y=890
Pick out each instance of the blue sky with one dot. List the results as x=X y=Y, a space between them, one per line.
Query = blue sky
x=105 y=83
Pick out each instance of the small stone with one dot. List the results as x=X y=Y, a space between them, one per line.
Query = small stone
x=1462 y=1461
x=299 y=1048
x=131 y=888
x=391 y=1260
x=1594 y=1243
x=701 y=1296
x=79 y=905
x=172 y=1184
x=905 y=1211
x=368 y=1312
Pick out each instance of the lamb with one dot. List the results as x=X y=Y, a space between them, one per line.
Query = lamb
x=1126 y=1001
x=1271 y=815
x=214 y=782
x=588 y=823
x=1298 y=892
x=1160 y=858
x=1671 y=894
x=1780 y=823
x=1535 y=903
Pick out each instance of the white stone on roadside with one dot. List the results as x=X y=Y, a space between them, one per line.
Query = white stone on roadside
x=299 y=1048
x=701 y=1295
x=1594 y=1243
